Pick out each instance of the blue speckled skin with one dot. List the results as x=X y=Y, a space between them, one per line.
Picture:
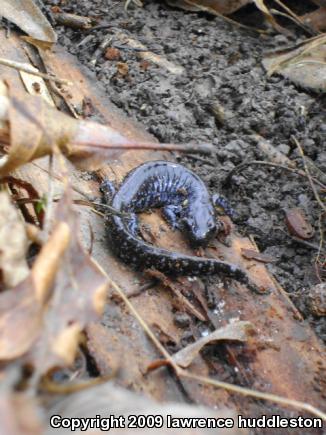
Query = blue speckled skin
x=186 y=204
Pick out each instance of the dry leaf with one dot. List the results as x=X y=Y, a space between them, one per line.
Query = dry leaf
x=233 y=331
x=36 y=130
x=298 y=224
x=225 y=7
x=269 y=17
x=251 y=254
x=65 y=290
x=21 y=309
x=316 y=19
x=19 y=415
x=108 y=399
x=35 y=85
x=304 y=64
x=78 y=298
x=20 y=320
x=26 y=15
x=220 y=7
x=13 y=243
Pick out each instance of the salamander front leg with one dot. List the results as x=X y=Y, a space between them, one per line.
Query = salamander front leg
x=108 y=190
x=221 y=202
x=171 y=214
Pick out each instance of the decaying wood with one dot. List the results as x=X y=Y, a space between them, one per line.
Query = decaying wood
x=289 y=360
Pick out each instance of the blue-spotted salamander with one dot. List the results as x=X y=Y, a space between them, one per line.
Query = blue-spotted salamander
x=186 y=205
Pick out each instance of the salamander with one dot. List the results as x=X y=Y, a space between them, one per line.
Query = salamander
x=187 y=205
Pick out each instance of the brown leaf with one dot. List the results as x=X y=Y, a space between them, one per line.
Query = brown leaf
x=304 y=64
x=78 y=298
x=36 y=130
x=26 y=15
x=64 y=291
x=298 y=224
x=316 y=19
x=251 y=254
x=13 y=243
x=19 y=415
x=22 y=308
x=20 y=320
x=111 y=400
x=224 y=7
x=234 y=331
x=269 y=17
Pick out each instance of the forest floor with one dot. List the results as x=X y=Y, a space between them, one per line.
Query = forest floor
x=222 y=68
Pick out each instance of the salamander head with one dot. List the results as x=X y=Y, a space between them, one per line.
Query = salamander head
x=200 y=225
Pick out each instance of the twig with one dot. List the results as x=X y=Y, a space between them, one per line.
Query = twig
x=293 y=16
x=88 y=200
x=313 y=187
x=289 y=17
x=273 y=165
x=304 y=242
x=321 y=236
x=31 y=70
x=254 y=393
x=181 y=373
x=49 y=203
x=146 y=54
x=72 y=20
x=204 y=148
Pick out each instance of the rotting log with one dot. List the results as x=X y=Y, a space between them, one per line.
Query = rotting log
x=290 y=361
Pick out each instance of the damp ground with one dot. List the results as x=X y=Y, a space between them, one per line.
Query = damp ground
x=223 y=97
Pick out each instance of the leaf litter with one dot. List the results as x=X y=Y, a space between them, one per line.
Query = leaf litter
x=49 y=292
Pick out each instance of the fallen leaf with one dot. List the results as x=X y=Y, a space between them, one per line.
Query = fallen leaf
x=269 y=17
x=21 y=308
x=35 y=129
x=222 y=7
x=20 y=320
x=109 y=399
x=77 y=298
x=36 y=85
x=251 y=254
x=304 y=64
x=238 y=331
x=298 y=224
x=26 y=15
x=13 y=243
x=122 y=68
x=112 y=53
x=43 y=316
x=316 y=19
x=225 y=7
x=19 y=414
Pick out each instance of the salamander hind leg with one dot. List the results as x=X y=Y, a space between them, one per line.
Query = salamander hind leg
x=132 y=224
x=171 y=214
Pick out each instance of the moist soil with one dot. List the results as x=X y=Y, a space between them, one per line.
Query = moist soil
x=223 y=73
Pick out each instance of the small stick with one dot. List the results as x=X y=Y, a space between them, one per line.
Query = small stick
x=72 y=20
x=294 y=17
x=149 y=55
x=30 y=70
x=204 y=148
